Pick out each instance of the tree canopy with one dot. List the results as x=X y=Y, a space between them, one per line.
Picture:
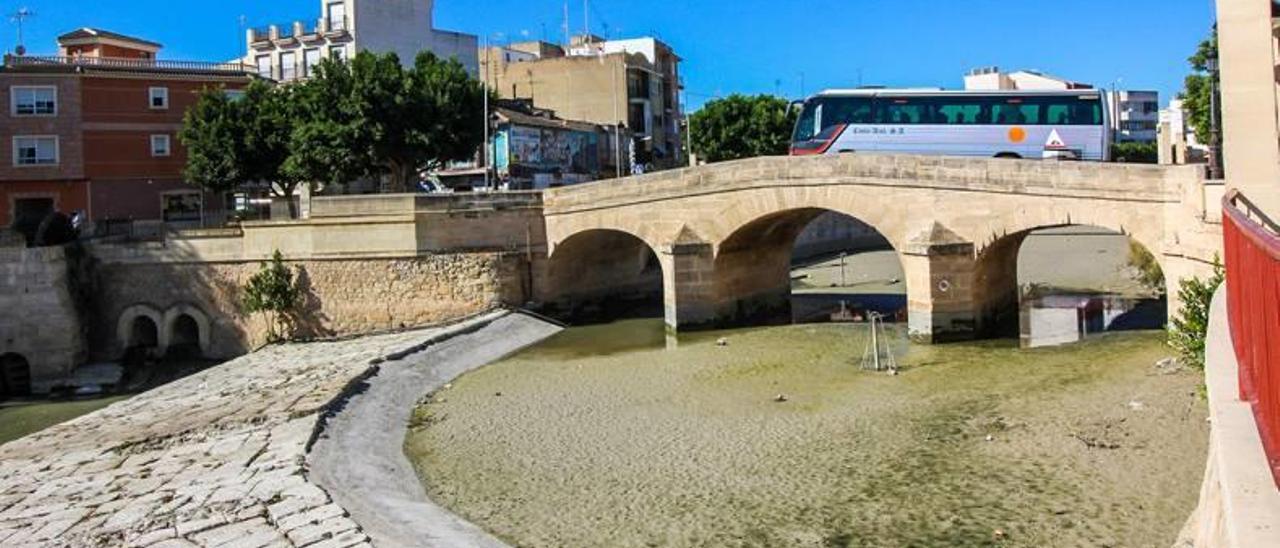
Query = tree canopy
x=369 y=117
x=235 y=140
x=741 y=126
x=1197 y=97
x=373 y=117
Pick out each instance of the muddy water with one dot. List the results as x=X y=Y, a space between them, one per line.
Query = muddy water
x=605 y=437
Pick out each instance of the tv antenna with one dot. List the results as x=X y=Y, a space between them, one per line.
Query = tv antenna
x=20 y=17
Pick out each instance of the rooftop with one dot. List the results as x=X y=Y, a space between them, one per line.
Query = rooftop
x=89 y=33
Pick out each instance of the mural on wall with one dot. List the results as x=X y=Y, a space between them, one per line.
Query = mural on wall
x=549 y=150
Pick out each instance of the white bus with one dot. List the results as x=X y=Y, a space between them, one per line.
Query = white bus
x=1067 y=125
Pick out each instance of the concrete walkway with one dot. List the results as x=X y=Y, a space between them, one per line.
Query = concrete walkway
x=360 y=457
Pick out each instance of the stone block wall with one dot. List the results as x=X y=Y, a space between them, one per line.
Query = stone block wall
x=40 y=320
x=343 y=297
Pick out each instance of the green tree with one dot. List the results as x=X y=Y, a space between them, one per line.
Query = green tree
x=372 y=117
x=1190 y=327
x=273 y=291
x=213 y=132
x=1197 y=97
x=741 y=126
x=234 y=141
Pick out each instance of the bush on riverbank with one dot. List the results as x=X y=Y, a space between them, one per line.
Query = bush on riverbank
x=1190 y=327
x=274 y=292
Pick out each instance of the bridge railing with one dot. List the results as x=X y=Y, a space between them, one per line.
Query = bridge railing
x=1253 y=301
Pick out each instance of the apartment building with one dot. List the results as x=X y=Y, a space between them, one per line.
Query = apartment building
x=405 y=27
x=1135 y=115
x=95 y=129
x=635 y=83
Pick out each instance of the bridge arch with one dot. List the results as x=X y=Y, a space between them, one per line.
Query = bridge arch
x=1002 y=283
x=601 y=274
x=753 y=265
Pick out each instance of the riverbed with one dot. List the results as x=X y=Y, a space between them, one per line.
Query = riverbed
x=616 y=435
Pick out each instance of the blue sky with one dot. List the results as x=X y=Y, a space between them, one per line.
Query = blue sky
x=746 y=45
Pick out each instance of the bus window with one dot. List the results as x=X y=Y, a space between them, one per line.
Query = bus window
x=959 y=112
x=1015 y=112
x=904 y=111
x=1058 y=115
x=846 y=110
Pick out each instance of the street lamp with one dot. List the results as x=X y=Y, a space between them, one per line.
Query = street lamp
x=1215 y=131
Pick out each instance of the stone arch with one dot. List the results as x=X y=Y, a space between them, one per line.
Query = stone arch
x=753 y=264
x=593 y=273
x=15 y=376
x=998 y=282
x=186 y=328
x=139 y=328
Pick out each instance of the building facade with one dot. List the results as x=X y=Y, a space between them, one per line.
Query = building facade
x=404 y=27
x=1135 y=115
x=95 y=130
x=635 y=83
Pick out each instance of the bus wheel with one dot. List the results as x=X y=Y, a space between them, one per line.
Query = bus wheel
x=1009 y=156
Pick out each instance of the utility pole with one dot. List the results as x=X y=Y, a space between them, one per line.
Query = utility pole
x=1215 y=131
x=568 y=39
x=21 y=17
x=488 y=65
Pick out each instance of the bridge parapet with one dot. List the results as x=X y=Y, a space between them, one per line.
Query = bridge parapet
x=1125 y=182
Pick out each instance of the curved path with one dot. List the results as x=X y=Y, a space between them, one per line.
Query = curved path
x=360 y=460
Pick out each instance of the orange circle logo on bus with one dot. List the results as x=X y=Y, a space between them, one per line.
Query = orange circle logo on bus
x=1017 y=135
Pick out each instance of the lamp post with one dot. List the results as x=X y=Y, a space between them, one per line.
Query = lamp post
x=1215 y=131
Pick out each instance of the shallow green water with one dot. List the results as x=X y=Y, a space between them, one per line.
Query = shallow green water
x=19 y=420
x=613 y=436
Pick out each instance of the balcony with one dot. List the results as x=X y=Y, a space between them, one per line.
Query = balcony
x=120 y=64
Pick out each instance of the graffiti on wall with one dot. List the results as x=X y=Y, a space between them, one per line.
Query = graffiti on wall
x=554 y=150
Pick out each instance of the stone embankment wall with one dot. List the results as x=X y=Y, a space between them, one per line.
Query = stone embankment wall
x=341 y=297
x=366 y=264
x=39 y=318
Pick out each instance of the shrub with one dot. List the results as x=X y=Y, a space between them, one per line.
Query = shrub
x=1135 y=153
x=274 y=292
x=1190 y=328
x=1146 y=268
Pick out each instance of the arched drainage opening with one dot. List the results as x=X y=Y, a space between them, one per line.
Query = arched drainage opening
x=15 y=377
x=184 y=342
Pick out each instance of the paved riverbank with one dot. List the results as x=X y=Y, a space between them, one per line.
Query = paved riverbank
x=360 y=458
x=214 y=459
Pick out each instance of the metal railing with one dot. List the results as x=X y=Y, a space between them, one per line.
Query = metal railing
x=1252 y=243
x=117 y=63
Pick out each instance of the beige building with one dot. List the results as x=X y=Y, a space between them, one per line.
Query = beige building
x=1250 y=100
x=633 y=82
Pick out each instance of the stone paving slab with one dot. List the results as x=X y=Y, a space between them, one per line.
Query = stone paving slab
x=216 y=459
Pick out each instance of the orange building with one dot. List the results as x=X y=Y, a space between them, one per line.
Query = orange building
x=95 y=129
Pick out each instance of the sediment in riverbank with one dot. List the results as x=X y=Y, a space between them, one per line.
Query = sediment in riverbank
x=604 y=437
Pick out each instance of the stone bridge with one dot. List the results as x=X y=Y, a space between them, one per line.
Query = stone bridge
x=723 y=234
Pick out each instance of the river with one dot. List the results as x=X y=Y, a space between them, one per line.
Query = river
x=613 y=436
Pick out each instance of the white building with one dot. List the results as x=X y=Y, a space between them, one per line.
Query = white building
x=992 y=79
x=404 y=27
x=1135 y=115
